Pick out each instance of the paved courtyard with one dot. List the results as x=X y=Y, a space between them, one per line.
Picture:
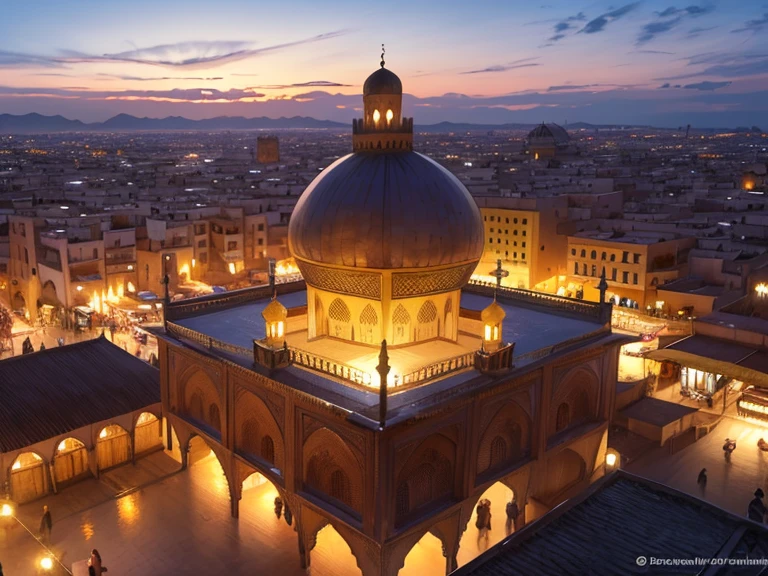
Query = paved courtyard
x=731 y=483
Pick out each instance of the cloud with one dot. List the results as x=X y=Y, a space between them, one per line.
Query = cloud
x=725 y=65
x=650 y=52
x=310 y=84
x=566 y=24
x=522 y=63
x=174 y=95
x=696 y=32
x=753 y=26
x=670 y=19
x=707 y=85
x=664 y=85
x=566 y=87
x=598 y=24
x=188 y=55
x=151 y=78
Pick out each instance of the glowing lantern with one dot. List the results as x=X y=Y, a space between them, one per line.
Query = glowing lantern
x=762 y=290
x=492 y=318
x=232 y=268
x=390 y=115
x=131 y=287
x=46 y=563
x=120 y=291
x=275 y=316
x=376 y=116
x=6 y=510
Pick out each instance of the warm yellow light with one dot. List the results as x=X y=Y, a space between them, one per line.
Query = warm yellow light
x=280 y=329
x=390 y=115
x=79 y=288
x=495 y=332
x=749 y=185
x=761 y=289
x=131 y=287
x=659 y=304
x=16 y=465
x=536 y=156
x=184 y=270
x=376 y=116
x=193 y=262
x=6 y=510
x=232 y=269
x=103 y=433
x=561 y=291
x=130 y=267
x=46 y=563
x=610 y=459
x=120 y=291
x=62 y=446
x=488 y=332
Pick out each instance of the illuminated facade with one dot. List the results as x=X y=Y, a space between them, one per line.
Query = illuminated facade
x=391 y=443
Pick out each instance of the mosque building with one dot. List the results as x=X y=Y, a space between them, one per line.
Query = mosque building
x=385 y=395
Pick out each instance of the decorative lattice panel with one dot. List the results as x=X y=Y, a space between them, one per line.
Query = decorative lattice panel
x=369 y=316
x=428 y=312
x=401 y=315
x=339 y=311
x=365 y=284
x=410 y=284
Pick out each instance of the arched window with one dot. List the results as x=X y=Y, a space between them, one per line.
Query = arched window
x=195 y=408
x=563 y=417
x=516 y=440
x=369 y=316
x=268 y=449
x=214 y=419
x=581 y=411
x=603 y=256
x=427 y=313
x=340 y=487
x=402 y=504
x=593 y=255
x=576 y=268
x=339 y=311
x=422 y=482
x=498 y=451
x=583 y=253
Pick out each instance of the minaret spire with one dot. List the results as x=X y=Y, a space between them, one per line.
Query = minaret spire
x=382 y=55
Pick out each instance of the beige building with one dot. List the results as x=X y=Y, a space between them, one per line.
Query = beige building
x=522 y=233
x=635 y=264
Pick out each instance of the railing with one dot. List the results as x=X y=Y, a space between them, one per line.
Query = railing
x=437 y=369
x=213 y=302
x=332 y=367
x=592 y=309
x=210 y=343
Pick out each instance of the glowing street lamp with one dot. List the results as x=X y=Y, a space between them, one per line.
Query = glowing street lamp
x=611 y=460
x=46 y=563
x=6 y=510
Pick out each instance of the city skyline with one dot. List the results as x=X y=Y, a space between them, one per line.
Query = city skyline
x=636 y=62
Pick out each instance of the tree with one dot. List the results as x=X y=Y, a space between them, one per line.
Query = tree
x=6 y=329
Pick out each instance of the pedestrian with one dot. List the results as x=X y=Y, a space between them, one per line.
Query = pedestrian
x=46 y=524
x=288 y=515
x=278 y=507
x=757 y=510
x=702 y=479
x=512 y=513
x=95 y=568
x=483 y=522
x=60 y=341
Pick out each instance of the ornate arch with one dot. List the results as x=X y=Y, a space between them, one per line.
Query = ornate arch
x=575 y=400
x=321 y=327
x=427 y=312
x=254 y=423
x=339 y=320
x=509 y=428
x=339 y=311
x=401 y=325
x=328 y=463
x=200 y=399
x=427 y=477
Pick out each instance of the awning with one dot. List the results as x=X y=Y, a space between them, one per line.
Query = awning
x=745 y=363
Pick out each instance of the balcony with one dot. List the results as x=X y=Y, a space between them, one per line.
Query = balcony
x=232 y=255
x=124 y=254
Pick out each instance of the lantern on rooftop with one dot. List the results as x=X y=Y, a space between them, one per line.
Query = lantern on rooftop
x=275 y=316
x=492 y=318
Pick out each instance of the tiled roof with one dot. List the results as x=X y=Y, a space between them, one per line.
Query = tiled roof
x=52 y=392
x=618 y=519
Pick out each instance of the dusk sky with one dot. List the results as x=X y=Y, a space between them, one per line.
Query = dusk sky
x=485 y=61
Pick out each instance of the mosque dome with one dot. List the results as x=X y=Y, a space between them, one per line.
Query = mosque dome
x=385 y=211
x=382 y=82
x=493 y=313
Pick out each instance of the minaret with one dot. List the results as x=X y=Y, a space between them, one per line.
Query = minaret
x=382 y=127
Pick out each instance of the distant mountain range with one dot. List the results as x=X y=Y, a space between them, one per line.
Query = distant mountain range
x=37 y=124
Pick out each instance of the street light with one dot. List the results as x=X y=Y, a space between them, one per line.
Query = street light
x=46 y=563
x=6 y=510
x=611 y=460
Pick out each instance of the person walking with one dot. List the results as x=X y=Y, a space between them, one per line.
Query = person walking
x=46 y=525
x=702 y=479
x=757 y=510
x=513 y=511
x=95 y=567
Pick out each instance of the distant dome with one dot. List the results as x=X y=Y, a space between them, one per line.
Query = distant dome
x=384 y=211
x=382 y=82
x=552 y=132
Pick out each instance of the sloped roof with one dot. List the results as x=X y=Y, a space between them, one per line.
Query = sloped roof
x=52 y=392
x=618 y=519
x=554 y=131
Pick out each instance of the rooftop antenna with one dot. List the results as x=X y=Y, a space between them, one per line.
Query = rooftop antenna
x=382 y=55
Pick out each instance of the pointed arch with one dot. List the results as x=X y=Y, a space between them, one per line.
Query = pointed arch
x=331 y=468
x=339 y=320
x=321 y=326
x=505 y=440
x=201 y=402
x=70 y=461
x=427 y=321
x=257 y=431
x=574 y=400
x=113 y=447
x=401 y=324
x=28 y=477
x=369 y=321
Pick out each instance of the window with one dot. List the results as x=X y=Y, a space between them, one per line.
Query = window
x=637 y=258
x=493 y=218
x=625 y=257
x=602 y=256
x=523 y=244
x=507 y=242
x=634 y=278
x=514 y=232
x=199 y=229
x=583 y=253
x=498 y=240
x=525 y=233
x=506 y=231
x=625 y=277
x=340 y=486
x=26 y=256
x=525 y=220
x=402 y=500
x=260 y=228
x=260 y=241
x=232 y=245
x=490 y=240
x=491 y=230
x=584 y=269
x=514 y=221
x=202 y=243
x=203 y=258
x=613 y=257
x=506 y=253
x=575 y=267
x=573 y=251
x=593 y=255
x=507 y=220
x=613 y=274
x=514 y=255
x=523 y=255
x=95 y=253
x=594 y=270
x=498 y=451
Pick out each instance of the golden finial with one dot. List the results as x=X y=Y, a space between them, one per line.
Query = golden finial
x=382 y=55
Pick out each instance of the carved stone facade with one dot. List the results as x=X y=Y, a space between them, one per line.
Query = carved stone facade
x=382 y=490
